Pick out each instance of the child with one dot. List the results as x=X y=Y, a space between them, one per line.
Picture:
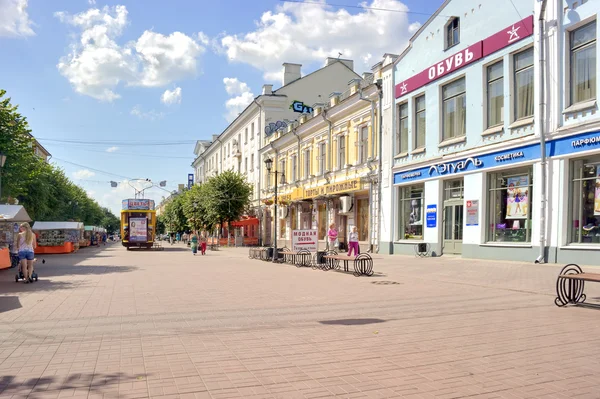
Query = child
x=353 y=242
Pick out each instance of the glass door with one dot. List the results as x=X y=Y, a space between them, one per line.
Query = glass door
x=453 y=228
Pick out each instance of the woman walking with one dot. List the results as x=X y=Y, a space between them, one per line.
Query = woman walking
x=203 y=243
x=26 y=244
x=194 y=243
x=353 y=242
x=332 y=236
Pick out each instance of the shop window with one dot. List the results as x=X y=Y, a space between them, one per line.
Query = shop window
x=420 y=122
x=453 y=32
x=585 y=201
x=509 y=205
x=363 y=150
x=454 y=109
x=402 y=133
x=323 y=226
x=293 y=218
x=524 y=84
x=341 y=151
x=410 y=212
x=282 y=227
x=495 y=94
x=583 y=63
x=362 y=219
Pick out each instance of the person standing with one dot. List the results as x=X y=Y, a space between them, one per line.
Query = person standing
x=26 y=244
x=203 y=243
x=353 y=242
x=178 y=237
x=332 y=236
x=194 y=243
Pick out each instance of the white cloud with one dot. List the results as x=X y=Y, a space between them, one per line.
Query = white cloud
x=171 y=96
x=92 y=2
x=97 y=63
x=14 y=20
x=83 y=174
x=307 y=33
x=243 y=97
x=112 y=149
x=150 y=115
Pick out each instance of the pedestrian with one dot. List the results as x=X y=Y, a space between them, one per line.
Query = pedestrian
x=178 y=237
x=353 y=242
x=104 y=238
x=203 y=243
x=194 y=243
x=332 y=237
x=185 y=238
x=26 y=244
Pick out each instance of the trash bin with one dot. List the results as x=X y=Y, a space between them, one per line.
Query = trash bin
x=320 y=259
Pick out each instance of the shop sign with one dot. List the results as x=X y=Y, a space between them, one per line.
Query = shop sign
x=190 y=180
x=510 y=156
x=431 y=216
x=299 y=106
x=138 y=229
x=472 y=213
x=294 y=195
x=334 y=188
x=512 y=34
x=304 y=239
x=574 y=144
x=137 y=204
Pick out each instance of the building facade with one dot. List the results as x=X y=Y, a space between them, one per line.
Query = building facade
x=329 y=160
x=495 y=146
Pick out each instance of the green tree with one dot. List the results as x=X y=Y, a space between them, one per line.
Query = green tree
x=196 y=209
x=110 y=222
x=175 y=219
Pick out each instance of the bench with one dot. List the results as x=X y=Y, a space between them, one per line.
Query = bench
x=300 y=258
x=254 y=253
x=570 y=283
x=363 y=263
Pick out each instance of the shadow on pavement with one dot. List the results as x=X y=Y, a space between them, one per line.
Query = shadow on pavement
x=41 y=387
x=352 y=322
x=10 y=287
x=9 y=303
x=82 y=270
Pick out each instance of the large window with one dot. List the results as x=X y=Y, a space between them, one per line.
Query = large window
x=251 y=162
x=282 y=171
x=341 y=151
x=509 y=205
x=363 y=145
x=306 y=164
x=585 y=201
x=453 y=33
x=294 y=169
x=402 y=133
x=252 y=131
x=583 y=63
x=524 y=84
x=455 y=109
x=322 y=158
x=246 y=136
x=410 y=212
x=420 y=122
x=362 y=219
x=495 y=94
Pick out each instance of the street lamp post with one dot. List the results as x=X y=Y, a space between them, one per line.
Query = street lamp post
x=2 y=160
x=269 y=165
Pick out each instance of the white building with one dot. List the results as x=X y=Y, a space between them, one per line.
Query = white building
x=237 y=147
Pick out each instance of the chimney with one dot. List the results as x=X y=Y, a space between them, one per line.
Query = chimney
x=318 y=109
x=367 y=75
x=348 y=63
x=267 y=89
x=334 y=99
x=215 y=137
x=291 y=72
x=354 y=85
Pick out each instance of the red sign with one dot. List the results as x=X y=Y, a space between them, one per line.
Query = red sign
x=498 y=41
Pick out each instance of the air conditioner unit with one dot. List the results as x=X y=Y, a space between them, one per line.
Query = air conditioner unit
x=346 y=204
x=283 y=212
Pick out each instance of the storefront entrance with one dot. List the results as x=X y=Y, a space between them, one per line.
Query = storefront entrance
x=453 y=216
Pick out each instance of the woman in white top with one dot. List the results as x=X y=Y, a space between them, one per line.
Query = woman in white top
x=26 y=244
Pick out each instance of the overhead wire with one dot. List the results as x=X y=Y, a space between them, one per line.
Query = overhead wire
x=364 y=7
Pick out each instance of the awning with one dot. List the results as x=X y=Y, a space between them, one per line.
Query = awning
x=245 y=222
x=13 y=213
x=57 y=226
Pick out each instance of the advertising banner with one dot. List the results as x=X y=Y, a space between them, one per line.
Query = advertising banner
x=431 y=216
x=138 y=230
x=137 y=204
x=517 y=198
x=304 y=239
x=597 y=193
x=472 y=213
x=190 y=180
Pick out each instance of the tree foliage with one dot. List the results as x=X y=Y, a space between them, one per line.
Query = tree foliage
x=43 y=189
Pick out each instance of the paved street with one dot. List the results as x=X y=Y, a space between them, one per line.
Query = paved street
x=108 y=323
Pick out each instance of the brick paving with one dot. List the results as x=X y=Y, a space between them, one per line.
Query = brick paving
x=110 y=323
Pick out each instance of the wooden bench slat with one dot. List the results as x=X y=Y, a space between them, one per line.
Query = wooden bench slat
x=339 y=257
x=582 y=276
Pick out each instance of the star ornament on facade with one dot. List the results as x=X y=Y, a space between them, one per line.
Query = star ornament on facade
x=403 y=88
x=514 y=35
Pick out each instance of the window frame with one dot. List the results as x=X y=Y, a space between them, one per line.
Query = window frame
x=341 y=161
x=417 y=113
x=454 y=98
x=363 y=145
x=252 y=131
x=571 y=50
x=488 y=83
x=574 y=177
x=322 y=158
x=516 y=71
x=294 y=176
x=448 y=29
x=399 y=134
x=307 y=163
x=401 y=234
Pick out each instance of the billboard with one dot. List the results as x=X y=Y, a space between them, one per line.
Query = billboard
x=138 y=230
x=137 y=204
x=190 y=180
x=304 y=239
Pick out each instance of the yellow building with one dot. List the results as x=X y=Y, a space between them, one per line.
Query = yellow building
x=329 y=157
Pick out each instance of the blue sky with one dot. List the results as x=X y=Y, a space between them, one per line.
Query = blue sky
x=109 y=72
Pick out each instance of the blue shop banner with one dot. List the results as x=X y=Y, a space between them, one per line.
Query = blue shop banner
x=431 y=216
x=573 y=144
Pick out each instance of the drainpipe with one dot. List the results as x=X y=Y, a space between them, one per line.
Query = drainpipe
x=221 y=163
x=379 y=177
x=258 y=185
x=542 y=104
x=330 y=128
x=373 y=102
x=275 y=217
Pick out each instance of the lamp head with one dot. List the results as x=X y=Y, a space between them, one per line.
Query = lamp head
x=268 y=164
